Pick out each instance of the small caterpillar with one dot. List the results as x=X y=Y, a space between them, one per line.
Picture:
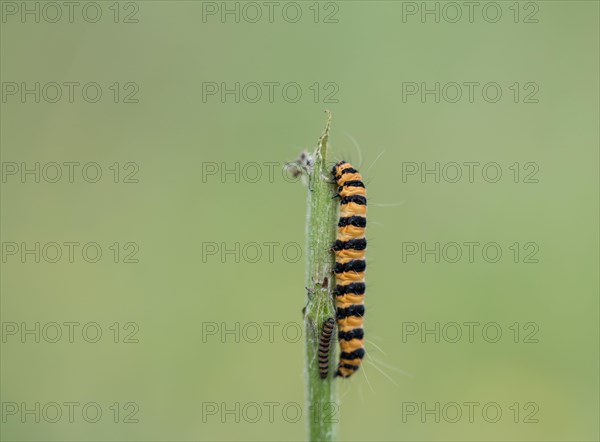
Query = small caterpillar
x=324 y=343
x=350 y=266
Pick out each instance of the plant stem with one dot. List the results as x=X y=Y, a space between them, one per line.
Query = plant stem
x=321 y=394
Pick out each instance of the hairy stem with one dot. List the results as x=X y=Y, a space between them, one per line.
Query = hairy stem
x=321 y=394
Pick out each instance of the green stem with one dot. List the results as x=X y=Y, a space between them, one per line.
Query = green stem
x=321 y=394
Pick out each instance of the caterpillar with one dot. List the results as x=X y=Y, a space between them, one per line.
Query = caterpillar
x=350 y=266
x=324 y=343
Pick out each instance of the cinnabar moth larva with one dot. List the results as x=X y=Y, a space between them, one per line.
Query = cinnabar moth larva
x=324 y=344
x=350 y=265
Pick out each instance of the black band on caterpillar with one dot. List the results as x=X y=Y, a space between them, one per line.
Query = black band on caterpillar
x=348 y=170
x=356 y=199
x=356 y=288
x=354 y=183
x=356 y=265
x=356 y=333
x=351 y=244
x=354 y=310
x=358 y=353
x=350 y=367
x=356 y=221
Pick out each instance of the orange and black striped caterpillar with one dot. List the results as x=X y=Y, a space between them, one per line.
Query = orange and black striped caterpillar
x=350 y=265
x=324 y=343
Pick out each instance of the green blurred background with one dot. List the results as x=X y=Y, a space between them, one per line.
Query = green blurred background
x=177 y=298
